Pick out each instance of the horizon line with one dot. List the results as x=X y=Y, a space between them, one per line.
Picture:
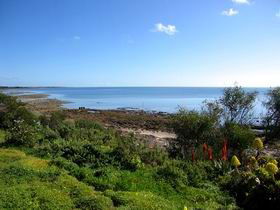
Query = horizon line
x=58 y=86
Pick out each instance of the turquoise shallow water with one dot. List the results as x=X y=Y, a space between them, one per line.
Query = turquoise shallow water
x=165 y=99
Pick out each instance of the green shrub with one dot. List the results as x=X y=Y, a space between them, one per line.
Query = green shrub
x=83 y=200
x=30 y=183
x=195 y=172
x=25 y=196
x=2 y=136
x=56 y=119
x=192 y=129
x=239 y=137
x=50 y=134
x=139 y=200
x=153 y=156
x=272 y=118
x=22 y=134
x=253 y=190
x=18 y=114
x=88 y=124
x=173 y=176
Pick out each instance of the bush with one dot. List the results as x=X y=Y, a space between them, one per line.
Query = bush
x=30 y=183
x=22 y=134
x=272 y=118
x=173 y=176
x=18 y=114
x=2 y=136
x=195 y=172
x=193 y=129
x=239 y=137
x=88 y=124
x=55 y=121
x=84 y=200
x=139 y=200
x=253 y=191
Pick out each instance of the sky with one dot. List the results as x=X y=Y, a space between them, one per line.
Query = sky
x=86 y=43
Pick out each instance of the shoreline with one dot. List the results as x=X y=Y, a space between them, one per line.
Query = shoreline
x=41 y=102
x=41 y=99
x=151 y=127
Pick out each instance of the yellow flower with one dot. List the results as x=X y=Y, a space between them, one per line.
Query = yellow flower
x=274 y=162
x=258 y=144
x=185 y=208
x=235 y=162
x=271 y=168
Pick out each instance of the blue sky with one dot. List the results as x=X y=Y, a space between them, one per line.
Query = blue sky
x=139 y=42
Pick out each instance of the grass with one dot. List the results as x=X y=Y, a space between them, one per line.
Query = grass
x=28 y=182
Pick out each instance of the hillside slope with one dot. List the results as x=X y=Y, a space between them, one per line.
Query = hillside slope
x=30 y=183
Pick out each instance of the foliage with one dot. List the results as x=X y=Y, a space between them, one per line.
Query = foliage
x=92 y=167
x=257 y=185
x=29 y=183
x=253 y=190
x=2 y=136
x=193 y=129
x=175 y=176
x=139 y=200
x=239 y=137
x=214 y=110
x=237 y=105
x=21 y=133
x=272 y=118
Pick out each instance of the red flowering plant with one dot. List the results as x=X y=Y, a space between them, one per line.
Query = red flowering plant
x=225 y=151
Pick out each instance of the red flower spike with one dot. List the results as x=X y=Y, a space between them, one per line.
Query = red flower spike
x=210 y=153
x=225 y=151
x=193 y=155
x=205 y=150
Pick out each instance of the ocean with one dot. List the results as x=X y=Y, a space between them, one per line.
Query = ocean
x=160 y=99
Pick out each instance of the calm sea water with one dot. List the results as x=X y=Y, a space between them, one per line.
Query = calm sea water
x=165 y=99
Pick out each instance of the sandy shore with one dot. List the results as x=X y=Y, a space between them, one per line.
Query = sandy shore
x=152 y=138
x=41 y=103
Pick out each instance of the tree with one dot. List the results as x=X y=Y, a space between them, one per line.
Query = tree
x=237 y=105
x=214 y=110
x=272 y=118
x=192 y=129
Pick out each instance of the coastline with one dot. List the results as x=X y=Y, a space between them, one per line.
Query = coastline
x=41 y=103
x=152 y=127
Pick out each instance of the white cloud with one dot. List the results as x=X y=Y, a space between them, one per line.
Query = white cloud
x=167 y=29
x=230 y=12
x=76 y=37
x=241 y=1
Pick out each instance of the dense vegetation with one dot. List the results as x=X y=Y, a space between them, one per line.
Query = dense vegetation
x=51 y=162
